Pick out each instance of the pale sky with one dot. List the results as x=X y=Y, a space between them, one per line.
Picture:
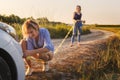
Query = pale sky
x=94 y=11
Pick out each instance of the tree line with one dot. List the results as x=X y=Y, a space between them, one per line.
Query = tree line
x=11 y=19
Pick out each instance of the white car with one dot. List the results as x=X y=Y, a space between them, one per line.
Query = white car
x=11 y=62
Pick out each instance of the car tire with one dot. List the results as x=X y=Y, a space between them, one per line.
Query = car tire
x=5 y=73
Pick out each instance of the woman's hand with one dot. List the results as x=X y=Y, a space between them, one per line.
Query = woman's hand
x=35 y=51
x=28 y=52
x=74 y=21
x=24 y=55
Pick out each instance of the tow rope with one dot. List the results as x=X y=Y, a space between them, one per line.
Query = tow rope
x=63 y=41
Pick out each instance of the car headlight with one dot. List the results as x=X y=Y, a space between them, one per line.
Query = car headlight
x=9 y=29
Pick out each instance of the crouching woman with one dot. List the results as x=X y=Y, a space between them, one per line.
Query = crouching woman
x=36 y=43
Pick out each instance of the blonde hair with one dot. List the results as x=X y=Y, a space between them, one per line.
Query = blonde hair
x=78 y=6
x=27 y=25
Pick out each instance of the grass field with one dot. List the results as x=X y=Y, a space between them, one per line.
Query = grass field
x=112 y=29
x=108 y=67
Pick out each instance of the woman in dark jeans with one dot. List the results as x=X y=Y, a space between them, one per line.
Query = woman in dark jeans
x=77 y=24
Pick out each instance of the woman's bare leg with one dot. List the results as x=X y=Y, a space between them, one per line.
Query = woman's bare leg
x=28 y=62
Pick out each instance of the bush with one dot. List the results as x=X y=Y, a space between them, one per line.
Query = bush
x=18 y=29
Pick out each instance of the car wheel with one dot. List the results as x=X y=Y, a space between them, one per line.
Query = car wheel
x=5 y=73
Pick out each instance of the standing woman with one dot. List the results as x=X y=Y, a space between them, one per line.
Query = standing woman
x=77 y=24
x=36 y=43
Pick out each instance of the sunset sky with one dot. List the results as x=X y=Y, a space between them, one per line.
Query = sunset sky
x=94 y=11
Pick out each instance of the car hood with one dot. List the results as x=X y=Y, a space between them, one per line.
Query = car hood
x=4 y=38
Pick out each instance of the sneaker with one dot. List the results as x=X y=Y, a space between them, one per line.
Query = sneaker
x=46 y=66
x=29 y=72
x=43 y=67
x=71 y=45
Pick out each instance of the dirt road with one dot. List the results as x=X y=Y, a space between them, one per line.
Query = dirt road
x=93 y=36
x=86 y=40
